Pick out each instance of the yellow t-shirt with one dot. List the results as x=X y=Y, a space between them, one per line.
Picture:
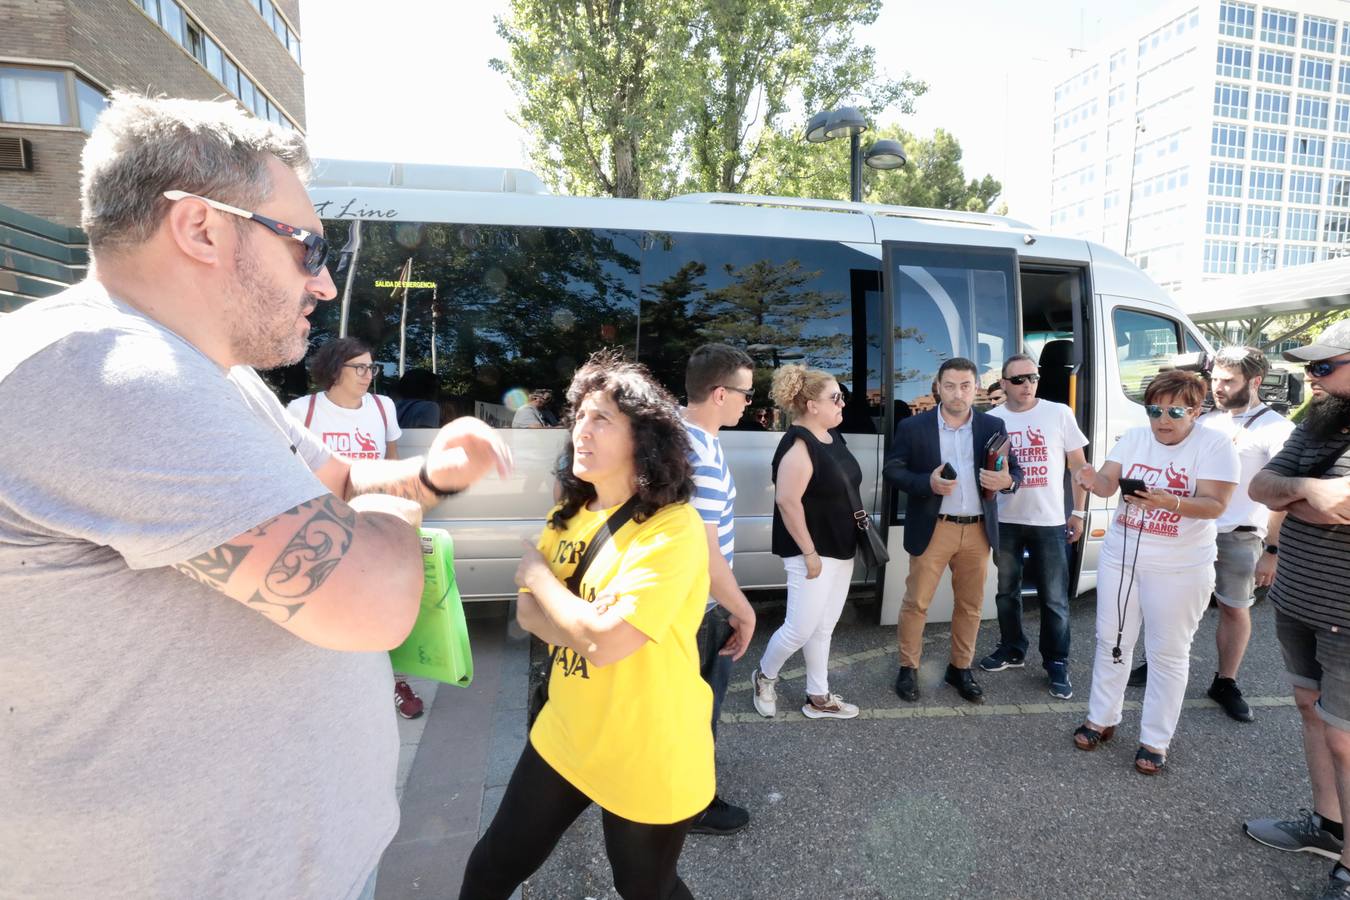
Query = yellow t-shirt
x=635 y=736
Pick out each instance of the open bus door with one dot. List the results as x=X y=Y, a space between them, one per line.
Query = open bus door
x=1057 y=331
x=942 y=302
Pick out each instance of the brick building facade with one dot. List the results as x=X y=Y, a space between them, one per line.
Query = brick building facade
x=58 y=58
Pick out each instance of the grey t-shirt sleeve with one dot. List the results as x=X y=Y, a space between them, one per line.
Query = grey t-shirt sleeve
x=150 y=450
x=258 y=395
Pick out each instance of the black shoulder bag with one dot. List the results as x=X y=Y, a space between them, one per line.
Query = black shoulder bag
x=539 y=695
x=870 y=544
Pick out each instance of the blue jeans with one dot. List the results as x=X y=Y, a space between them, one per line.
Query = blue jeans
x=1049 y=545
x=715 y=669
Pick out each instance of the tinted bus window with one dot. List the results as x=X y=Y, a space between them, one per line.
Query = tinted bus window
x=782 y=301
x=950 y=303
x=496 y=312
x=1144 y=344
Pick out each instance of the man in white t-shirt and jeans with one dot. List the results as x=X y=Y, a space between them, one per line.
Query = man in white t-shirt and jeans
x=1044 y=435
x=719 y=383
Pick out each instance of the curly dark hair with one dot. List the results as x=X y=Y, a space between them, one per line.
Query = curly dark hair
x=660 y=443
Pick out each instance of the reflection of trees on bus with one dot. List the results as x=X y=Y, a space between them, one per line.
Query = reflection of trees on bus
x=672 y=327
x=519 y=307
x=516 y=306
x=910 y=374
x=764 y=307
x=771 y=304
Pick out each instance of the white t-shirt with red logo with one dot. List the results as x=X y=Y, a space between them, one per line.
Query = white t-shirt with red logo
x=350 y=433
x=1168 y=541
x=1039 y=438
x=1258 y=434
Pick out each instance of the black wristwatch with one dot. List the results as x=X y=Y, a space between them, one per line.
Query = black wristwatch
x=1272 y=549
x=425 y=477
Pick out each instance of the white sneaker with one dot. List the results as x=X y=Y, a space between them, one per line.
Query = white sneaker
x=766 y=697
x=834 y=707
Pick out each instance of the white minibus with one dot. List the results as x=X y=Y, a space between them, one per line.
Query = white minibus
x=501 y=290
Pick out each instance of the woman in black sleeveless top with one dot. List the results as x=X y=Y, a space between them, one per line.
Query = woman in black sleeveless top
x=813 y=531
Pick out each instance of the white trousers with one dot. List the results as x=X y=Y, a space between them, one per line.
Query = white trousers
x=1170 y=605
x=813 y=608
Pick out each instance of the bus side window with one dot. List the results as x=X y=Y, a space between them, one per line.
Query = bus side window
x=950 y=304
x=1145 y=342
x=781 y=300
x=502 y=315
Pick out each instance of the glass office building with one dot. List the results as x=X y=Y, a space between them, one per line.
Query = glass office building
x=1211 y=140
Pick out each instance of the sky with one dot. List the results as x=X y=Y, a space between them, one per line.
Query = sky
x=409 y=81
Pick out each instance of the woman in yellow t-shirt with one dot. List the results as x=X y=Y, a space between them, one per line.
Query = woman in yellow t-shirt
x=626 y=722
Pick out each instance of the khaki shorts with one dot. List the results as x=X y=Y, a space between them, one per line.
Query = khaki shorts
x=1235 y=568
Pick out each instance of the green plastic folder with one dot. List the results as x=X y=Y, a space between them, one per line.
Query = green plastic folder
x=438 y=646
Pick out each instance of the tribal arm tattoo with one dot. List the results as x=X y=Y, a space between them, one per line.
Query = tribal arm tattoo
x=314 y=551
x=280 y=613
x=214 y=567
x=303 y=565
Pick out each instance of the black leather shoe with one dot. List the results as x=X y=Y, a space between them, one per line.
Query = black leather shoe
x=964 y=682
x=1139 y=675
x=907 y=684
x=1225 y=692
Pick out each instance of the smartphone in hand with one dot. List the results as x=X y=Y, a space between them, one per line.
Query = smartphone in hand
x=948 y=472
x=1133 y=486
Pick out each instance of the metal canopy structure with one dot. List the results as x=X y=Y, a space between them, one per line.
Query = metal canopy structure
x=1323 y=286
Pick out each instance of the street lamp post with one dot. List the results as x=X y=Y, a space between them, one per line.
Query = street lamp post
x=846 y=120
x=1129 y=186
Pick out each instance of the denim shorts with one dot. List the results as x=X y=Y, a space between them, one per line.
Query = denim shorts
x=1235 y=568
x=1318 y=659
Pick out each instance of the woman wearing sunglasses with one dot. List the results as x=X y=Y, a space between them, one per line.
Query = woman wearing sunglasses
x=1157 y=564
x=356 y=424
x=814 y=532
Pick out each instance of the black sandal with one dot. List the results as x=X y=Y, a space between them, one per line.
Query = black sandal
x=1146 y=762
x=1085 y=738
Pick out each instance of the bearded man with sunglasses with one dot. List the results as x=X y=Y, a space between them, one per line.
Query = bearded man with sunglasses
x=1044 y=435
x=163 y=518
x=1310 y=481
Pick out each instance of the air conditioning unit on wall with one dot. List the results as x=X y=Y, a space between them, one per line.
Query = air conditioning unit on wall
x=16 y=153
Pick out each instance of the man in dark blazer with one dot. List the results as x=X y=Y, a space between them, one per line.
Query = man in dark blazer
x=948 y=522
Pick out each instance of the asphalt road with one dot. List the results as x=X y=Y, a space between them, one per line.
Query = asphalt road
x=942 y=799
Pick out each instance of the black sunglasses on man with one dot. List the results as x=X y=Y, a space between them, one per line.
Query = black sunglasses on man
x=316 y=248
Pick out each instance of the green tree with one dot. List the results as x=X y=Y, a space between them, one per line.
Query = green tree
x=750 y=59
x=634 y=98
x=600 y=87
x=933 y=177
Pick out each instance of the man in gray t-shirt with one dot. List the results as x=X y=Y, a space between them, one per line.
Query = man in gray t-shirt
x=158 y=738
x=535 y=413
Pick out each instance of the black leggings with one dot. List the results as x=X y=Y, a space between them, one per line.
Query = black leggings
x=538 y=807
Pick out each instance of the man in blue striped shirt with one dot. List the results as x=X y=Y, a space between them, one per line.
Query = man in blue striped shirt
x=719 y=382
